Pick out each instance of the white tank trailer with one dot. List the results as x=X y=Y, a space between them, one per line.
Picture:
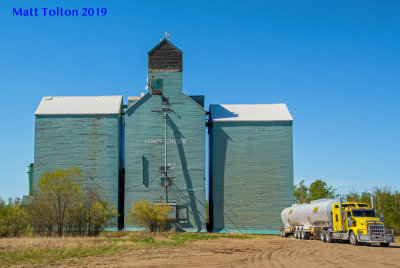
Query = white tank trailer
x=304 y=214
x=332 y=219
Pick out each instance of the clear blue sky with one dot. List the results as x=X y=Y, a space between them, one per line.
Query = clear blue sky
x=336 y=64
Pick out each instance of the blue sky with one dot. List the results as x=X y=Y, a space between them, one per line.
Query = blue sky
x=336 y=64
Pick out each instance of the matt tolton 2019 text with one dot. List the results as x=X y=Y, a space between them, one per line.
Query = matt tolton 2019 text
x=59 y=12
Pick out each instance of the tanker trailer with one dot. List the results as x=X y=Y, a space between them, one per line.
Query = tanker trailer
x=332 y=219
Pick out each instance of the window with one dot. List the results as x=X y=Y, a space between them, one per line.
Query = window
x=337 y=218
x=157 y=86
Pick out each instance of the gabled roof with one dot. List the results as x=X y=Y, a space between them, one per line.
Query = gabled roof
x=79 y=105
x=250 y=112
x=162 y=42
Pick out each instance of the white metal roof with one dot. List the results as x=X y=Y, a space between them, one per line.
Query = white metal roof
x=250 y=112
x=79 y=105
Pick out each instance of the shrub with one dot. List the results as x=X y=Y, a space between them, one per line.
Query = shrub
x=13 y=219
x=151 y=216
x=61 y=205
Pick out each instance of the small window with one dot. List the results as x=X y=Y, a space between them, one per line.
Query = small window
x=336 y=206
x=157 y=84
x=337 y=218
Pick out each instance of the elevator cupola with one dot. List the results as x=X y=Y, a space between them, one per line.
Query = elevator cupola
x=165 y=68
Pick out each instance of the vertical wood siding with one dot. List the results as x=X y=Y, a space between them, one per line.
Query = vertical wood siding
x=185 y=158
x=251 y=175
x=91 y=143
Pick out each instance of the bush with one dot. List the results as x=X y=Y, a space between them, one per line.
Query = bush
x=152 y=216
x=61 y=205
x=13 y=219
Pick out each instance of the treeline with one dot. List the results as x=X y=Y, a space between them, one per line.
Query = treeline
x=59 y=205
x=386 y=199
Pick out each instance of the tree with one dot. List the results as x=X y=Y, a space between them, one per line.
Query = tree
x=149 y=215
x=320 y=189
x=61 y=204
x=59 y=189
x=364 y=197
x=301 y=192
x=317 y=190
x=13 y=219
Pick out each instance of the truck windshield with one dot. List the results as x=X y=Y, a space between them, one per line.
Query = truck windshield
x=363 y=213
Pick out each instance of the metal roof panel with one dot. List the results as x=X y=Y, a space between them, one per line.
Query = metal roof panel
x=250 y=112
x=79 y=105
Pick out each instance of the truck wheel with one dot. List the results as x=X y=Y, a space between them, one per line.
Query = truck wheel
x=306 y=236
x=353 y=239
x=322 y=236
x=328 y=237
x=384 y=244
x=283 y=233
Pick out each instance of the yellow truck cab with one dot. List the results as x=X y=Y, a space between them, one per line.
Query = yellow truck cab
x=359 y=224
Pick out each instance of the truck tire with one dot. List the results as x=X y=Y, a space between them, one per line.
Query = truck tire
x=328 y=237
x=322 y=236
x=283 y=233
x=353 y=239
x=385 y=244
x=306 y=236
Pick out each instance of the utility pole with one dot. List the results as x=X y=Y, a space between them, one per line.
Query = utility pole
x=165 y=158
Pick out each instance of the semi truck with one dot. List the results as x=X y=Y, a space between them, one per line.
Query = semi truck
x=332 y=220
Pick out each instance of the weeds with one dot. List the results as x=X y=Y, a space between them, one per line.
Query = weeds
x=40 y=251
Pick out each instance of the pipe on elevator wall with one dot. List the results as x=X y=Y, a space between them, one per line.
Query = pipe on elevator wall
x=29 y=172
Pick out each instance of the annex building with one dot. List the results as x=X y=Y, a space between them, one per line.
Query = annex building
x=154 y=148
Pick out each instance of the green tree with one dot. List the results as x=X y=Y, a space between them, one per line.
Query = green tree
x=149 y=215
x=61 y=204
x=320 y=189
x=14 y=220
x=364 y=197
x=317 y=190
x=301 y=193
x=59 y=189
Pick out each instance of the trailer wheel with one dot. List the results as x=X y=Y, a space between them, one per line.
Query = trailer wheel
x=384 y=245
x=306 y=235
x=328 y=237
x=353 y=239
x=283 y=234
x=322 y=236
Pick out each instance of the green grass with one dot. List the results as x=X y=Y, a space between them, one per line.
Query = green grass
x=101 y=246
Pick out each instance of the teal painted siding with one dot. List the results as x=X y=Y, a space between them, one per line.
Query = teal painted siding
x=251 y=175
x=90 y=142
x=144 y=152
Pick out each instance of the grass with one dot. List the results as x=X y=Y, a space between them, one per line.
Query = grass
x=39 y=251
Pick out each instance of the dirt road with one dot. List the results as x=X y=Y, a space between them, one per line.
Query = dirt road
x=256 y=252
